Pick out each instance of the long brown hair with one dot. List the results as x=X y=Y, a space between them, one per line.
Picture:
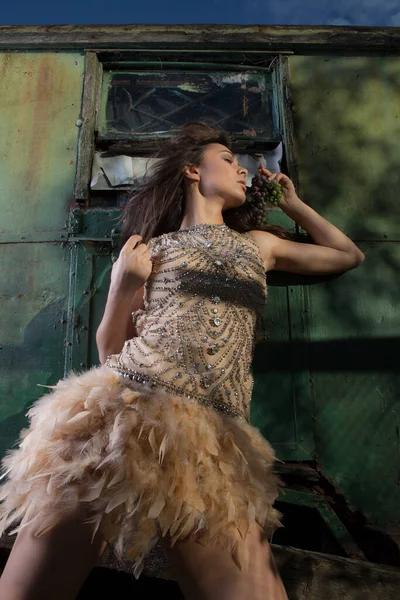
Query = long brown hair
x=157 y=206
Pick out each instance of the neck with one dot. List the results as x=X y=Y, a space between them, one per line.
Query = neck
x=199 y=218
x=188 y=224
x=200 y=210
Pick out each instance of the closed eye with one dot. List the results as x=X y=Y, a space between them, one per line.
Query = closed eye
x=231 y=161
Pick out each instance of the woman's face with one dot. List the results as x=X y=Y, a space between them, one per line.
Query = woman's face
x=221 y=176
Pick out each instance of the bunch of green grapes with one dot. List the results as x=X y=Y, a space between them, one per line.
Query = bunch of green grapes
x=262 y=194
x=265 y=191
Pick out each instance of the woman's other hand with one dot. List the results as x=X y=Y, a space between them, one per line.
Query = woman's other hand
x=133 y=266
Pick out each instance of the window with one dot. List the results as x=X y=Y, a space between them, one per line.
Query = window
x=139 y=102
x=138 y=105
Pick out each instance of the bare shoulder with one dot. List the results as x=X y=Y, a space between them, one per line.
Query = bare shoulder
x=266 y=242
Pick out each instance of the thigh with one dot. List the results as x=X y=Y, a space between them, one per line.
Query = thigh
x=204 y=572
x=263 y=571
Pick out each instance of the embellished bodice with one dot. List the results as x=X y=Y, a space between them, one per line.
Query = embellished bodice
x=202 y=304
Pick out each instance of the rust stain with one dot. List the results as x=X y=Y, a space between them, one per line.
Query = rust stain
x=41 y=114
x=39 y=98
x=16 y=128
x=5 y=64
x=33 y=94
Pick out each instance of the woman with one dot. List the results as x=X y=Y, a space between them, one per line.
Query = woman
x=156 y=443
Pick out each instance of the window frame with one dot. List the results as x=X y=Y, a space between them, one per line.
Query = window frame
x=96 y=62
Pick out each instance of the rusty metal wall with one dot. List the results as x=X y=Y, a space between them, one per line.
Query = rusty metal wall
x=40 y=96
x=347 y=128
x=40 y=101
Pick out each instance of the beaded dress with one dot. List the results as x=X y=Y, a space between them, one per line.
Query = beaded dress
x=196 y=335
x=157 y=442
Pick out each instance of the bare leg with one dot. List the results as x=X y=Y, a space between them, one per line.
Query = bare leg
x=206 y=573
x=211 y=574
x=54 y=565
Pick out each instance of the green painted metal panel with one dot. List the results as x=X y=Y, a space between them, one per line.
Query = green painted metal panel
x=40 y=102
x=358 y=413
x=90 y=270
x=282 y=404
x=33 y=299
x=347 y=122
x=347 y=125
x=94 y=224
x=272 y=396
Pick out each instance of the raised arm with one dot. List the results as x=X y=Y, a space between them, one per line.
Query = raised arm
x=333 y=251
x=125 y=295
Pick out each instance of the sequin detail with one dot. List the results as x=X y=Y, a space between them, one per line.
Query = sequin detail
x=202 y=304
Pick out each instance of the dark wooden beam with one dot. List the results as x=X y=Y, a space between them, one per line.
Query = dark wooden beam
x=313 y=576
x=299 y=39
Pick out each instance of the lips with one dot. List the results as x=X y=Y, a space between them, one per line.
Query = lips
x=243 y=185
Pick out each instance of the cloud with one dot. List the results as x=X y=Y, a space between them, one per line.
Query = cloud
x=370 y=13
x=395 y=20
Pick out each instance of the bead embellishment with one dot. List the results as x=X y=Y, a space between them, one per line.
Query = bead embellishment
x=212 y=350
x=207 y=281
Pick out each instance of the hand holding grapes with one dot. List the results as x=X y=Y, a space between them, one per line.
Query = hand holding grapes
x=274 y=188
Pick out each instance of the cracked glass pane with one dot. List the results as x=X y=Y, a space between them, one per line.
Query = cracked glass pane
x=149 y=104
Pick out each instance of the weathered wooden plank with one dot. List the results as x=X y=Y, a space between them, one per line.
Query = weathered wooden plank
x=199 y=57
x=312 y=576
x=88 y=124
x=285 y=108
x=304 y=39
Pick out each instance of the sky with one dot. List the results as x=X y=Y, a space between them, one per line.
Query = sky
x=371 y=13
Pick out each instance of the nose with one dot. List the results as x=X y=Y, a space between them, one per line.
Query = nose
x=243 y=171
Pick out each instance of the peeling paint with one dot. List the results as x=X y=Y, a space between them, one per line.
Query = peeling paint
x=193 y=87
x=222 y=79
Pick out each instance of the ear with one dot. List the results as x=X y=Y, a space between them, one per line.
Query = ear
x=192 y=173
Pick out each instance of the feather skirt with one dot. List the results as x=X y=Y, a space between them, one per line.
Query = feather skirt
x=145 y=464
